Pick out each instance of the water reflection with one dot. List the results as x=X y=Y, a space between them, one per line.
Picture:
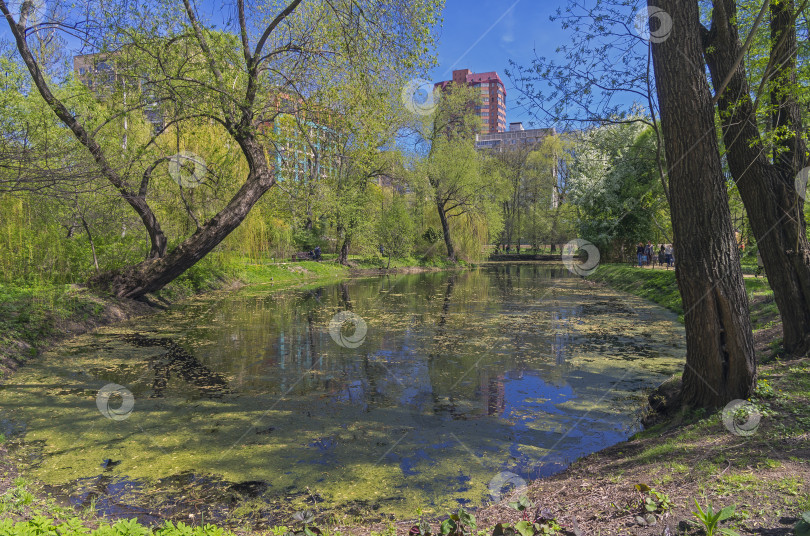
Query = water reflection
x=461 y=375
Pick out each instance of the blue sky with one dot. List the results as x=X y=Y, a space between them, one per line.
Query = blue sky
x=483 y=35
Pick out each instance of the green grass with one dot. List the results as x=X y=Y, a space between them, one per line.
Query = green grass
x=660 y=286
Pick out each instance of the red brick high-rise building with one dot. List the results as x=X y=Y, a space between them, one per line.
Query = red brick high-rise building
x=493 y=97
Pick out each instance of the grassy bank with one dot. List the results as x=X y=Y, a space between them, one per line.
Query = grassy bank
x=659 y=286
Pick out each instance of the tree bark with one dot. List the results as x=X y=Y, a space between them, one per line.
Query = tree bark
x=344 y=250
x=720 y=363
x=448 y=241
x=153 y=274
x=774 y=207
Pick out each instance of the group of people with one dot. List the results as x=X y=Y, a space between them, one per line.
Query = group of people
x=647 y=255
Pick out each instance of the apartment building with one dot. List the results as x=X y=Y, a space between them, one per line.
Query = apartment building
x=492 y=110
x=300 y=141
x=517 y=136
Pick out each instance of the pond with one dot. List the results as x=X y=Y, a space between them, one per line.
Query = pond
x=367 y=398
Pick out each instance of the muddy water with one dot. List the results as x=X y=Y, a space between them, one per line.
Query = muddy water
x=462 y=385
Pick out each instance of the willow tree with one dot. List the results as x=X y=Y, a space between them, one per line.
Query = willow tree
x=275 y=57
x=451 y=171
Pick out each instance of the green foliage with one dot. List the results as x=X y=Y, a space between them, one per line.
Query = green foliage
x=617 y=188
x=802 y=527
x=540 y=527
x=653 y=501
x=17 y=498
x=43 y=526
x=542 y=524
x=395 y=229
x=711 y=520
x=431 y=235
x=764 y=390
x=530 y=202
x=460 y=524
x=304 y=519
x=522 y=504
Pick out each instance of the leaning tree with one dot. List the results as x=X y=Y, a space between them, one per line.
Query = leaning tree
x=173 y=59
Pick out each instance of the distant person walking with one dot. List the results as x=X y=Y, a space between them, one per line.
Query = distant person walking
x=668 y=253
x=662 y=255
x=640 y=253
x=760 y=265
x=648 y=252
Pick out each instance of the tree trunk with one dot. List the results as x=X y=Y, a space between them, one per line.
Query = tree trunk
x=448 y=241
x=720 y=363
x=152 y=275
x=344 y=250
x=92 y=243
x=774 y=207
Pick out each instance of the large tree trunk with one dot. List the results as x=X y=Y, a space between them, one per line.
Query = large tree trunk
x=448 y=241
x=720 y=364
x=774 y=207
x=154 y=274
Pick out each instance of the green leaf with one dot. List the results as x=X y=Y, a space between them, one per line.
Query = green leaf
x=802 y=528
x=726 y=512
x=466 y=518
x=651 y=507
x=525 y=528
x=700 y=513
x=448 y=527
x=806 y=517
x=729 y=532
x=643 y=488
